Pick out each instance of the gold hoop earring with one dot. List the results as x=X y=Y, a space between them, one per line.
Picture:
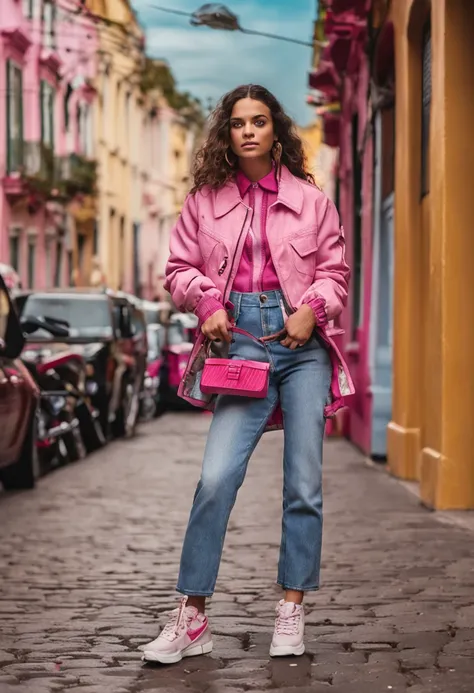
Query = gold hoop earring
x=226 y=157
x=277 y=152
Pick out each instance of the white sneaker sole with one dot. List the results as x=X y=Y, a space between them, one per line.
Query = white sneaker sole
x=286 y=650
x=191 y=651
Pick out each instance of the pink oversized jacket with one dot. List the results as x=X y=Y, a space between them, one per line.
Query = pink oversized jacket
x=306 y=243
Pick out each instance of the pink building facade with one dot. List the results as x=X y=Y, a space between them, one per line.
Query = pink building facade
x=48 y=55
x=358 y=122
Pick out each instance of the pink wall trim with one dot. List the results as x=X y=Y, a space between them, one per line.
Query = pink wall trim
x=355 y=342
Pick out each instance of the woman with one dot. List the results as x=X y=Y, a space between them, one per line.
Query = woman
x=260 y=246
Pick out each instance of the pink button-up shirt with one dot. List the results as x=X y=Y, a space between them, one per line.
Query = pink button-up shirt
x=256 y=271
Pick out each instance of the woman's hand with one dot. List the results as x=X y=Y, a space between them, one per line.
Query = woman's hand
x=299 y=327
x=217 y=327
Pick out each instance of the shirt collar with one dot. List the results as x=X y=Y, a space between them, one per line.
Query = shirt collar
x=268 y=182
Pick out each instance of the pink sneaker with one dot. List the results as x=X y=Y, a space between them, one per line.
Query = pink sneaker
x=185 y=634
x=289 y=630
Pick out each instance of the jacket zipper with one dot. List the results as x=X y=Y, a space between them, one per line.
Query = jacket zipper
x=234 y=255
x=223 y=265
x=288 y=307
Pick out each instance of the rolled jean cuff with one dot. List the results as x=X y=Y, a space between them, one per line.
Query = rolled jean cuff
x=207 y=306
x=194 y=593
x=318 y=306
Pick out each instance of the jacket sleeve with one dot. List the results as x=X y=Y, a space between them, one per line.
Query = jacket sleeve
x=328 y=294
x=190 y=289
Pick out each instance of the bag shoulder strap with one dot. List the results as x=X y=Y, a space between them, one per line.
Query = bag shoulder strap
x=259 y=340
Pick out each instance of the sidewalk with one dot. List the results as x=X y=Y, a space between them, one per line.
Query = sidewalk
x=88 y=564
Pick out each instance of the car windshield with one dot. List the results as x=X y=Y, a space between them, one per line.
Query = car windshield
x=175 y=334
x=156 y=340
x=87 y=317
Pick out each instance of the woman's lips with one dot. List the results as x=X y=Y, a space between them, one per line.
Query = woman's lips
x=249 y=145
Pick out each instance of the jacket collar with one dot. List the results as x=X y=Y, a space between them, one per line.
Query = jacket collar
x=290 y=194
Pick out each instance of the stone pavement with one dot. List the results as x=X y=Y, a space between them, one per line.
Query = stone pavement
x=88 y=562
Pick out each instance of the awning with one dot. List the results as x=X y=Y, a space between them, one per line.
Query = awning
x=331 y=127
x=325 y=79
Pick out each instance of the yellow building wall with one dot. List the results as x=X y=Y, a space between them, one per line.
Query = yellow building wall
x=431 y=435
x=118 y=124
x=179 y=161
x=312 y=138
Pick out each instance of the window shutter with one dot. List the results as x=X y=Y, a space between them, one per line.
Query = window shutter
x=7 y=102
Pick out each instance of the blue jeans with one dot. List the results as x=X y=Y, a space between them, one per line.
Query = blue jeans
x=300 y=379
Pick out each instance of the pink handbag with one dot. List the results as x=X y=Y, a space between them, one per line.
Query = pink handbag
x=236 y=377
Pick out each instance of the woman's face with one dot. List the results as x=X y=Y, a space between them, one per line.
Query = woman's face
x=251 y=129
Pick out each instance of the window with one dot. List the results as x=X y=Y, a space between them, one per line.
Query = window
x=357 y=259
x=81 y=244
x=105 y=103
x=31 y=262
x=58 y=269
x=70 y=267
x=67 y=98
x=15 y=251
x=127 y=120
x=28 y=8
x=425 y=109
x=31 y=8
x=14 y=114
x=47 y=94
x=49 y=24
x=48 y=249
x=95 y=242
x=84 y=125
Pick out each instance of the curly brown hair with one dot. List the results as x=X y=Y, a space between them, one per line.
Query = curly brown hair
x=210 y=167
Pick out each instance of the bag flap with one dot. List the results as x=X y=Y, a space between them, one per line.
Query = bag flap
x=225 y=363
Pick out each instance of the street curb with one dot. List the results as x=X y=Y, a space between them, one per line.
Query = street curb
x=458 y=518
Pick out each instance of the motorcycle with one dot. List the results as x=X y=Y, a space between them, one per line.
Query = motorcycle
x=68 y=427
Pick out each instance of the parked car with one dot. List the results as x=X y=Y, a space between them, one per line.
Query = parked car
x=101 y=322
x=190 y=322
x=19 y=396
x=177 y=349
x=152 y=403
x=156 y=312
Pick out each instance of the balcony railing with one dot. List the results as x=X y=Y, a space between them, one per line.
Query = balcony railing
x=30 y=168
x=36 y=170
x=76 y=175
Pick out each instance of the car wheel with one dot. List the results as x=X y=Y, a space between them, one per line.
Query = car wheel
x=76 y=450
x=91 y=429
x=23 y=473
x=127 y=414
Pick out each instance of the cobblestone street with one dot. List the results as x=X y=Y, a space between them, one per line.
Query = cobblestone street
x=89 y=560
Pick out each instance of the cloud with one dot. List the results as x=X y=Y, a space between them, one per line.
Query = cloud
x=208 y=63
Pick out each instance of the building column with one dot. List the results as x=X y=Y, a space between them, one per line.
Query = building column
x=404 y=430
x=447 y=459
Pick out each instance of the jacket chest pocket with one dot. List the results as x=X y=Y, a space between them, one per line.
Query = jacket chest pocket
x=214 y=252
x=303 y=253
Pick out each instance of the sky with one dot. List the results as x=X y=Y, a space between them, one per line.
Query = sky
x=207 y=63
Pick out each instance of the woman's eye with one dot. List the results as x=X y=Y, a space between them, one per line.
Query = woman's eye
x=260 y=123
x=236 y=125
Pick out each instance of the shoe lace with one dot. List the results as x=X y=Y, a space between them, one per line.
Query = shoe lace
x=287 y=624
x=177 y=621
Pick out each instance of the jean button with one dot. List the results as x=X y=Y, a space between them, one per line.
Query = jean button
x=263 y=298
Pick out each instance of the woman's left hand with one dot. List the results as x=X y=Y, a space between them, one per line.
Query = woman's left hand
x=299 y=327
